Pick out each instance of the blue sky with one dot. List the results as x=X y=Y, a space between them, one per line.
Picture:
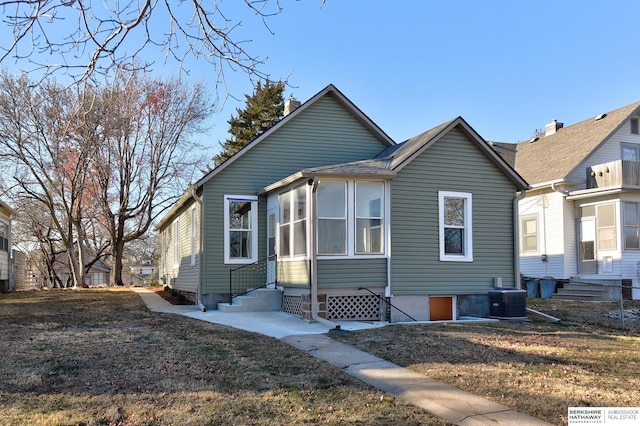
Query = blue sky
x=508 y=67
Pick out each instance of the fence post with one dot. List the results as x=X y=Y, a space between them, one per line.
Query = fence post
x=621 y=310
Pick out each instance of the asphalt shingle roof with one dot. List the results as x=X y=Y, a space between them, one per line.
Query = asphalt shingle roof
x=554 y=157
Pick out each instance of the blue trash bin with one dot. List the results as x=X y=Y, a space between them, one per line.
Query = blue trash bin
x=533 y=288
x=547 y=288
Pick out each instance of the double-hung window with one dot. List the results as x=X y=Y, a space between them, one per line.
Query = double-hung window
x=369 y=217
x=241 y=233
x=606 y=217
x=631 y=225
x=529 y=232
x=4 y=237
x=332 y=218
x=293 y=222
x=456 y=237
x=351 y=218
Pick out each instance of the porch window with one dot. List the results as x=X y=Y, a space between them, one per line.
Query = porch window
x=293 y=222
x=284 y=201
x=631 y=226
x=300 y=221
x=241 y=234
x=455 y=226
x=529 y=231
x=332 y=218
x=369 y=217
x=606 y=217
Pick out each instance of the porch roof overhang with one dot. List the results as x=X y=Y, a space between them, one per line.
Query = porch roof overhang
x=367 y=170
x=590 y=193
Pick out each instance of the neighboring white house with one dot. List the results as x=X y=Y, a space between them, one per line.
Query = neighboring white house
x=6 y=281
x=581 y=218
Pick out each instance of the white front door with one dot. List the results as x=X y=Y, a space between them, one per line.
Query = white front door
x=587 y=263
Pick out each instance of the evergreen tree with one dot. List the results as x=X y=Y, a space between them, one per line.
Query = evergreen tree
x=262 y=110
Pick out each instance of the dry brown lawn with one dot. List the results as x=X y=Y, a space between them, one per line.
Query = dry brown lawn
x=99 y=357
x=537 y=368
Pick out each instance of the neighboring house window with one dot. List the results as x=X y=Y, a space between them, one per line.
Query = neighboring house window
x=529 y=233
x=176 y=243
x=606 y=222
x=193 y=235
x=293 y=222
x=456 y=238
x=4 y=237
x=630 y=151
x=369 y=217
x=241 y=233
x=634 y=126
x=332 y=218
x=99 y=278
x=631 y=225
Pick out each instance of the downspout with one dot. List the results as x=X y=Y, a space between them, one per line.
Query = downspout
x=314 y=260
x=516 y=233
x=201 y=251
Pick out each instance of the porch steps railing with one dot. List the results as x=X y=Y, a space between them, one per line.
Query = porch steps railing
x=250 y=277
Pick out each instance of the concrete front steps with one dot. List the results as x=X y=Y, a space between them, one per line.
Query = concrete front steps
x=582 y=291
x=258 y=300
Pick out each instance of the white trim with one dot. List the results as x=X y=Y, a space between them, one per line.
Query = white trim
x=350 y=218
x=524 y=218
x=253 y=229
x=468 y=228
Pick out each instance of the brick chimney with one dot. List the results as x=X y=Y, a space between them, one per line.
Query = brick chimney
x=290 y=105
x=552 y=127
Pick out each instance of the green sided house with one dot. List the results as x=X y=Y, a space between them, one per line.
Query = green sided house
x=323 y=216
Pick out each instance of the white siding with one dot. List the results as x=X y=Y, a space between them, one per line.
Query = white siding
x=556 y=235
x=610 y=151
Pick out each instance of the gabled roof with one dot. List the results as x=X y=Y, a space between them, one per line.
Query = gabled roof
x=392 y=159
x=403 y=153
x=330 y=90
x=553 y=158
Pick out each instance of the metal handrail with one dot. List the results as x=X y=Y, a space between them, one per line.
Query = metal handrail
x=252 y=275
x=384 y=299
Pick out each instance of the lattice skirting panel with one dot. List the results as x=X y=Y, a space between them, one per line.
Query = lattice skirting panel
x=292 y=305
x=364 y=307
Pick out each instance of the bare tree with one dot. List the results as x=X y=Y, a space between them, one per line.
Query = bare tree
x=147 y=156
x=48 y=165
x=89 y=37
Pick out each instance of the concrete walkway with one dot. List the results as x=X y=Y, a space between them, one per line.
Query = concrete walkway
x=442 y=400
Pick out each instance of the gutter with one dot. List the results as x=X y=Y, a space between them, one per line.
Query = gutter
x=561 y=191
x=201 y=251
x=314 y=260
x=516 y=233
